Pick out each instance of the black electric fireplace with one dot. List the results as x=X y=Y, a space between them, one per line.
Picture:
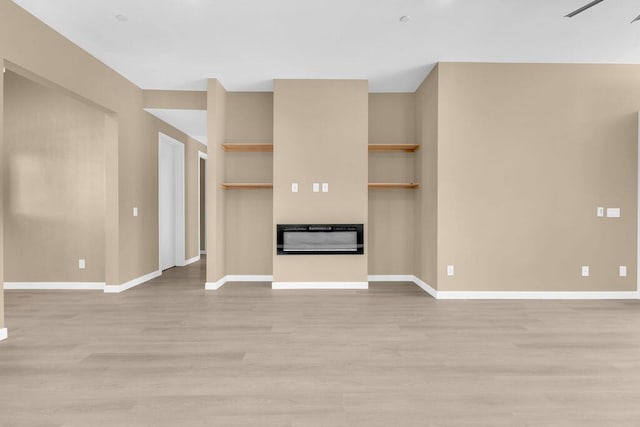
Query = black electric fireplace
x=320 y=239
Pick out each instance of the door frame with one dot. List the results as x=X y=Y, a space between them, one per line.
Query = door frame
x=179 y=181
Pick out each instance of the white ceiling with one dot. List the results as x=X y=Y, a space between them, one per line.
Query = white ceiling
x=178 y=44
x=191 y=122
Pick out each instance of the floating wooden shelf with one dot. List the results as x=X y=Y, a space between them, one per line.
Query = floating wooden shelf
x=393 y=185
x=246 y=186
x=248 y=147
x=407 y=148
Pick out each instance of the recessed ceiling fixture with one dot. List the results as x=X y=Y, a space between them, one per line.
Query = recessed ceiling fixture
x=122 y=18
x=589 y=6
x=405 y=18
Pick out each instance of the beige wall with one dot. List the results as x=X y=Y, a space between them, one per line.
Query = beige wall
x=249 y=213
x=2 y=322
x=426 y=163
x=54 y=185
x=175 y=99
x=320 y=135
x=133 y=245
x=391 y=212
x=216 y=197
x=525 y=155
x=203 y=201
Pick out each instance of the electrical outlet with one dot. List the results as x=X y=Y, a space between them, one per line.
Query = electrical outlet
x=613 y=212
x=325 y=187
x=294 y=187
x=600 y=212
x=81 y=264
x=316 y=187
x=622 y=271
x=450 y=270
x=135 y=211
x=585 y=271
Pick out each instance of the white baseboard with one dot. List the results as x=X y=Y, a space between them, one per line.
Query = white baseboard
x=189 y=261
x=203 y=252
x=54 y=286
x=116 y=289
x=425 y=287
x=4 y=334
x=392 y=278
x=213 y=286
x=319 y=285
x=541 y=295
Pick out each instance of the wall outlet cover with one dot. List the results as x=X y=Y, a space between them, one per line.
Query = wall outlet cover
x=600 y=212
x=135 y=211
x=81 y=264
x=450 y=270
x=294 y=187
x=585 y=271
x=623 y=271
x=316 y=187
x=325 y=187
x=613 y=212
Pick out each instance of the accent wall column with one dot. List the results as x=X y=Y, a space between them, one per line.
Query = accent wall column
x=320 y=136
x=216 y=130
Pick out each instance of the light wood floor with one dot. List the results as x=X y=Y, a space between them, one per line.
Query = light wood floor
x=170 y=354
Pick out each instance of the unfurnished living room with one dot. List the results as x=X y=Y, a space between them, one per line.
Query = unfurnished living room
x=319 y=213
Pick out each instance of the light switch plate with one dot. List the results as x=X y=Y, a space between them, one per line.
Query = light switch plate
x=623 y=271
x=135 y=211
x=613 y=212
x=316 y=187
x=81 y=264
x=294 y=187
x=600 y=212
x=450 y=270
x=325 y=187
x=585 y=271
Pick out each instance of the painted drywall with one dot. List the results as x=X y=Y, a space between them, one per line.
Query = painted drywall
x=391 y=212
x=175 y=99
x=216 y=197
x=320 y=135
x=54 y=185
x=132 y=243
x=526 y=153
x=249 y=213
x=426 y=164
x=2 y=322
x=203 y=206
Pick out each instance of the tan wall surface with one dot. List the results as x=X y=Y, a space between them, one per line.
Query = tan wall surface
x=203 y=201
x=216 y=197
x=2 y=322
x=192 y=160
x=391 y=212
x=175 y=99
x=320 y=135
x=27 y=42
x=525 y=155
x=249 y=213
x=54 y=185
x=426 y=213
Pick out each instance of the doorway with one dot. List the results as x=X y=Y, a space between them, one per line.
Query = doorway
x=171 y=209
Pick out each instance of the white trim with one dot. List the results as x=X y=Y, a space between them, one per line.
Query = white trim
x=54 y=286
x=319 y=285
x=190 y=261
x=392 y=278
x=425 y=287
x=535 y=295
x=213 y=286
x=203 y=156
x=116 y=289
x=4 y=334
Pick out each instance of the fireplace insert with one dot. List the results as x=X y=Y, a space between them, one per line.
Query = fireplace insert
x=320 y=239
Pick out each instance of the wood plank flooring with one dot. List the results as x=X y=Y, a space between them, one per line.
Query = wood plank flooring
x=167 y=353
